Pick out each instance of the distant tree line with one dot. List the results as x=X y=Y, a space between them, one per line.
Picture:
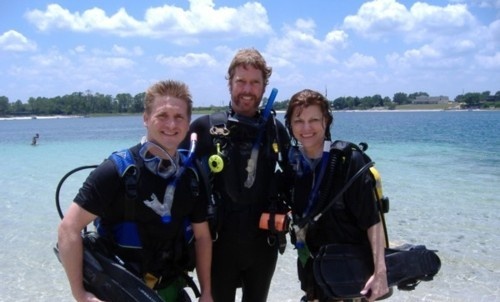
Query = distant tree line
x=466 y=101
x=86 y=103
x=77 y=103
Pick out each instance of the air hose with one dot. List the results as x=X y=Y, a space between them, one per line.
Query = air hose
x=61 y=182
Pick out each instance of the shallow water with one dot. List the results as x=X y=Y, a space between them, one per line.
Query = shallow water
x=441 y=171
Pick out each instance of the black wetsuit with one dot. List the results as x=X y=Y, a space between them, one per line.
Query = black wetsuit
x=242 y=256
x=103 y=194
x=347 y=221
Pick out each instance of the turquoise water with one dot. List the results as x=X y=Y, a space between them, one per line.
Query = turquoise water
x=441 y=171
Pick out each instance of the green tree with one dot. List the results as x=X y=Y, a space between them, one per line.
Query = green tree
x=365 y=103
x=377 y=100
x=104 y=103
x=472 y=99
x=353 y=102
x=497 y=96
x=400 y=98
x=340 y=103
x=414 y=95
x=138 y=102
x=4 y=105
x=387 y=102
x=125 y=101
x=485 y=96
x=18 y=108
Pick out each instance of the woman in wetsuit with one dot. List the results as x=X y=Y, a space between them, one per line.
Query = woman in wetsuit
x=353 y=220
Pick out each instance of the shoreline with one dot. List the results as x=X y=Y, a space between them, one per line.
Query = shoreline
x=403 y=110
x=44 y=117
x=39 y=117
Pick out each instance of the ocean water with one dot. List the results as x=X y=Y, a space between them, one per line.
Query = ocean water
x=440 y=170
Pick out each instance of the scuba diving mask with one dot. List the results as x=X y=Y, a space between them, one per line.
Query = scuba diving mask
x=157 y=160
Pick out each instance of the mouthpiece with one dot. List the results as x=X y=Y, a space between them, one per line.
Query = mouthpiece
x=194 y=136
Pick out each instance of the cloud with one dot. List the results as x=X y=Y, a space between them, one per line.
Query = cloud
x=299 y=43
x=384 y=45
x=108 y=63
x=359 y=61
x=53 y=59
x=430 y=20
x=425 y=59
x=165 y=21
x=439 y=38
x=75 y=70
x=464 y=45
x=378 y=18
x=494 y=28
x=14 y=41
x=489 y=62
x=123 y=51
x=187 y=61
x=481 y=3
x=79 y=49
x=422 y=22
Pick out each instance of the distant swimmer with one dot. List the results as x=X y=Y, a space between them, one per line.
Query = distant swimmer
x=34 y=140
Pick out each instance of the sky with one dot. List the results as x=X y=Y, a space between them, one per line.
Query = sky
x=337 y=47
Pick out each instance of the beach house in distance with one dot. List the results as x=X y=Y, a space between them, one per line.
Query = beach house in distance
x=422 y=99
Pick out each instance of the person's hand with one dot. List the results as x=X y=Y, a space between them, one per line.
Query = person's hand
x=206 y=298
x=89 y=297
x=375 y=287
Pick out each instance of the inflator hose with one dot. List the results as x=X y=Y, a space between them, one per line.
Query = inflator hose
x=58 y=203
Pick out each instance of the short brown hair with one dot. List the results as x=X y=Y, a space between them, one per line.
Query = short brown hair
x=252 y=57
x=306 y=98
x=172 y=88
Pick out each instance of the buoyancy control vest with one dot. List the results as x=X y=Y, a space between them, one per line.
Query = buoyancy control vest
x=339 y=177
x=234 y=138
x=344 y=151
x=128 y=238
x=341 y=268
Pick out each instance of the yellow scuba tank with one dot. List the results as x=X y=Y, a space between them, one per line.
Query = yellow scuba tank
x=379 y=194
x=378 y=183
x=383 y=202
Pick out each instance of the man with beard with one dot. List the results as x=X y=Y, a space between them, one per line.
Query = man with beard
x=243 y=150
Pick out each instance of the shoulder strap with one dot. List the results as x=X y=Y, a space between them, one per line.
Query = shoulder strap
x=218 y=118
x=341 y=149
x=218 y=124
x=344 y=148
x=127 y=169
x=123 y=160
x=340 y=154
